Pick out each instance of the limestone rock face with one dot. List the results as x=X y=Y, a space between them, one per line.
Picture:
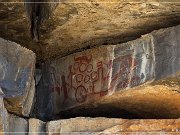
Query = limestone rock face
x=91 y=74
x=17 y=66
x=101 y=126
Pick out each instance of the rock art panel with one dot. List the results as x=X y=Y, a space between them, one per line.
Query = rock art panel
x=94 y=73
x=133 y=64
x=82 y=77
x=17 y=65
x=91 y=74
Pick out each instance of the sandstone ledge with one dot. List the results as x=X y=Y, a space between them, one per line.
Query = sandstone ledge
x=97 y=126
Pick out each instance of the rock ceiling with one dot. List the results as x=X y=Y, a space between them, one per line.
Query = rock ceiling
x=80 y=24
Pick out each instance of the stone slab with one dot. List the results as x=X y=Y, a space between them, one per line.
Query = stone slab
x=167 y=51
x=81 y=124
x=155 y=100
x=91 y=74
x=133 y=63
x=17 y=125
x=3 y=115
x=36 y=127
x=17 y=65
x=102 y=126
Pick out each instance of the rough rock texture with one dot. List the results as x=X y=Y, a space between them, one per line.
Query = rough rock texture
x=145 y=126
x=9 y=123
x=87 y=125
x=79 y=24
x=17 y=65
x=86 y=76
x=153 y=100
x=167 y=51
x=102 y=126
x=91 y=74
x=95 y=126
x=17 y=125
x=36 y=127
x=3 y=114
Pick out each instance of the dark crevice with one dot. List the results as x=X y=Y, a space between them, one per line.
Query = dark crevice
x=102 y=111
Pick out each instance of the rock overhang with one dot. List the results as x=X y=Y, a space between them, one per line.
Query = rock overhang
x=87 y=76
x=94 y=23
x=75 y=25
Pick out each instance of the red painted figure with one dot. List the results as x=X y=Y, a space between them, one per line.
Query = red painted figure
x=64 y=88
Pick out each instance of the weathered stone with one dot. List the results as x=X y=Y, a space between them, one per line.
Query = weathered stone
x=69 y=82
x=167 y=51
x=153 y=100
x=109 y=126
x=17 y=66
x=17 y=125
x=36 y=127
x=133 y=63
x=88 y=75
x=81 y=124
x=79 y=24
x=3 y=115
x=58 y=87
x=169 y=126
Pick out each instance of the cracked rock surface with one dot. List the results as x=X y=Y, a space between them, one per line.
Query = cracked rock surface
x=76 y=26
x=79 y=24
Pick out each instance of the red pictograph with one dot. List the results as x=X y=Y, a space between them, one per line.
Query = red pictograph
x=88 y=76
x=81 y=94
